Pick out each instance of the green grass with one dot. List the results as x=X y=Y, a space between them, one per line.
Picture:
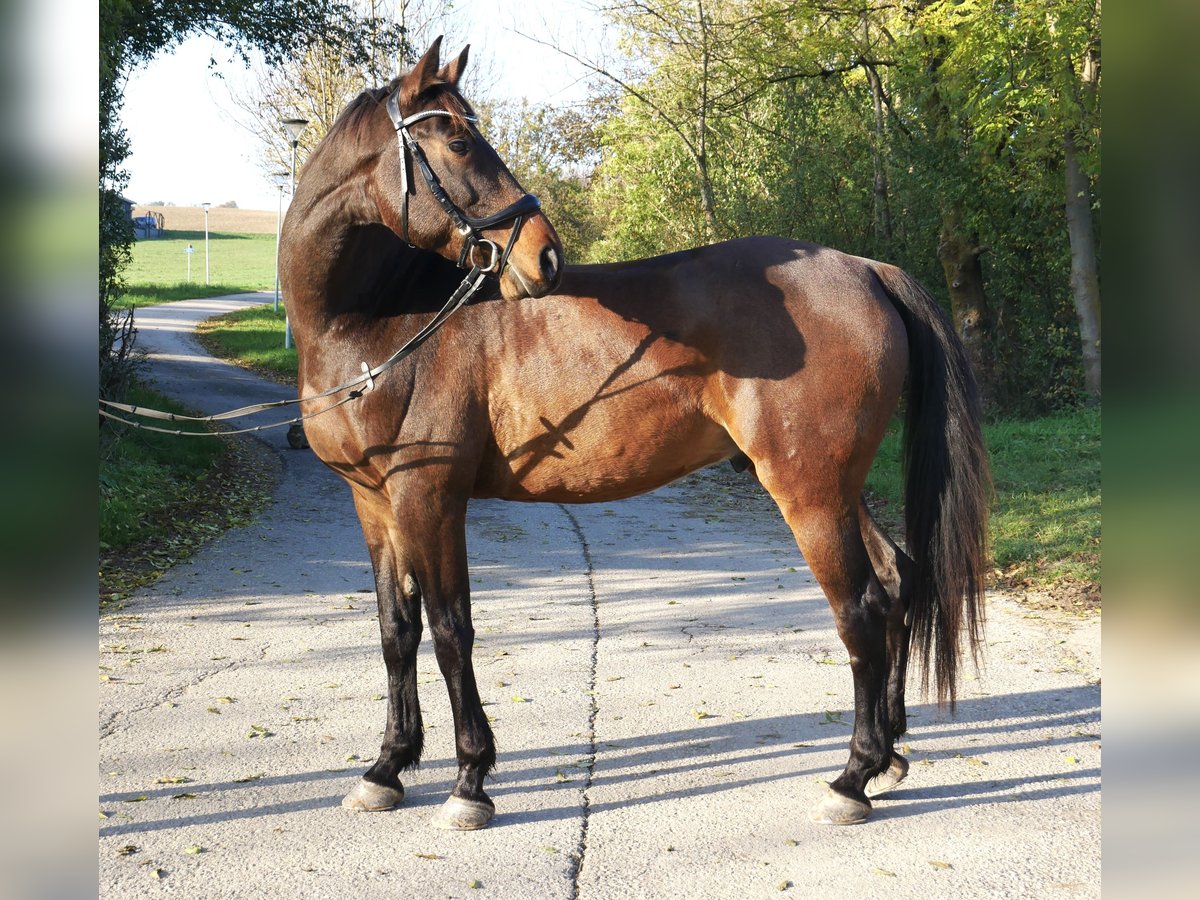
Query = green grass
x=1046 y=513
x=238 y=263
x=162 y=497
x=151 y=294
x=252 y=338
x=145 y=474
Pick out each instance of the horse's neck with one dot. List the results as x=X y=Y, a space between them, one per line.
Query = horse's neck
x=359 y=269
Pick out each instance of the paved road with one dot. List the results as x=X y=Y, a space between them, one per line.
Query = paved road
x=666 y=687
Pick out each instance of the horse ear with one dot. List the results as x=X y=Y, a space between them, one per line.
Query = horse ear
x=422 y=74
x=452 y=71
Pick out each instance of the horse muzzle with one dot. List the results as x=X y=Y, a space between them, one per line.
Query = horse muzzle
x=535 y=265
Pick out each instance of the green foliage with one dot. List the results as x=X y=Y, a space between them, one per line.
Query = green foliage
x=1045 y=520
x=769 y=106
x=162 y=497
x=548 y=150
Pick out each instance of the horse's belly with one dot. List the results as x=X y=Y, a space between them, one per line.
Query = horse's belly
x=623 y=451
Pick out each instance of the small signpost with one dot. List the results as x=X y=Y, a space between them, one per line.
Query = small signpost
x=189 y=250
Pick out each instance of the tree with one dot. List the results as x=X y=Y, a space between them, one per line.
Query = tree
x=552 y=153
x=930 y=134
x=131 y=33
x=686 y=41
x=317 y=81
x=1083 y=90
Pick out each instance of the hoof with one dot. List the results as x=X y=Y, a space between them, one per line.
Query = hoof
x=838 y=809
x=458 y=814
x=895 y=773
x=371 y=797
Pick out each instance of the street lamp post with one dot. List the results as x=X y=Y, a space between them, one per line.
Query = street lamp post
x=294 y=128
x=280 y=179
x=206 y=206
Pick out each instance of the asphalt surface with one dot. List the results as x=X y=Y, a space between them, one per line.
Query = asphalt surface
x=667 y=691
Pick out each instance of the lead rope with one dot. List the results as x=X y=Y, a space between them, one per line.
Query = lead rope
x=469 y=287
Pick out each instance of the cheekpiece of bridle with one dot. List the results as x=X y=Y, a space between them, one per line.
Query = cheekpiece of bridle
x=475 y=245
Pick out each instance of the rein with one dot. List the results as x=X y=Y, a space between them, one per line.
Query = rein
x=464 y=292
x=468 y=227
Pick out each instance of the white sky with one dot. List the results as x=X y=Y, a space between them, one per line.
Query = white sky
x=188 y=149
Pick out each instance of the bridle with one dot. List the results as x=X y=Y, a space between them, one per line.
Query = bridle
x=468 y=227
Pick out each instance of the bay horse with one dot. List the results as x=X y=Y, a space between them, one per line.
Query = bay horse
x=594 y=383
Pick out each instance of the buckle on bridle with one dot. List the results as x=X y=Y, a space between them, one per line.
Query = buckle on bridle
x=493 y=261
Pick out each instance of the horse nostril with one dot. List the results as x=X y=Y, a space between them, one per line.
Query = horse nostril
x=549 y=262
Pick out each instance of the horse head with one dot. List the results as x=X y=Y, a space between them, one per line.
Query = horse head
x=442 y=187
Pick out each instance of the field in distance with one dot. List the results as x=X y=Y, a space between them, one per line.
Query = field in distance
x=220 y=218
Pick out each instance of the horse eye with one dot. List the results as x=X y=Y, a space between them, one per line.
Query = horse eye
x=458 y=146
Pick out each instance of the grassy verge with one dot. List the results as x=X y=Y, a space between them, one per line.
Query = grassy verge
x=162 y=497
x=1046 y=512
x=158 y=271
x=151 y=294
x=252 y=338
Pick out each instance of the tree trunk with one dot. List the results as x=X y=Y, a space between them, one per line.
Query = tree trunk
x=883 y=214
x=1085 y=278
x=959 y=255
x=958 y=248
x=706 y=199
x=707 y=204
x=1085 y=272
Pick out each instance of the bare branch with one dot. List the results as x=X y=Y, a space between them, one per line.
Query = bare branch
x=634 y=92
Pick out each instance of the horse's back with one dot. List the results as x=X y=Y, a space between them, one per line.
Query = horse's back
x=636 y=373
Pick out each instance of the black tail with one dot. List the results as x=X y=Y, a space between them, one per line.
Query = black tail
x=947 y=485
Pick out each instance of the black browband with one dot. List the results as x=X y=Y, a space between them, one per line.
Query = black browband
x=467 y=226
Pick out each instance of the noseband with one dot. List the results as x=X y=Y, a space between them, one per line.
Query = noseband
x=470 y=228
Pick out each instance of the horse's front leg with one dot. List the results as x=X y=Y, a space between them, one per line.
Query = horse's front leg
x=444 y=586
x=399 y=599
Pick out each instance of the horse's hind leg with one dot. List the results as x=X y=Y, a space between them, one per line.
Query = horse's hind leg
x=400 y=630
x=894 y=568
x=829 y=536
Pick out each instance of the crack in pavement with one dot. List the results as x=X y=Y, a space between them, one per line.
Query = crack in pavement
x=111 y=725
x=590 y=760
